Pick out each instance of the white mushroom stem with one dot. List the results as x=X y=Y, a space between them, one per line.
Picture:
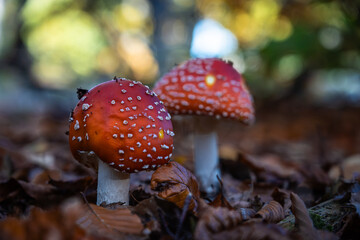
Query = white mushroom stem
x=206 y=155
x=113 y=186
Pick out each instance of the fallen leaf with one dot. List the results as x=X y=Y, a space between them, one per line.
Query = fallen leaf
x=282 y=197
x=164 y=220
x=253 y=231
x=109 y=220
x=213 y=220
x=302 y=218
x=272 y=166
x=272 y=212
x=221 y=201
x=175 y=183
x=40 y=224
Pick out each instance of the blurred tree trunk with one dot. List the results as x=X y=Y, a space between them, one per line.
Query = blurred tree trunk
x=17 y=57
x=173 y=32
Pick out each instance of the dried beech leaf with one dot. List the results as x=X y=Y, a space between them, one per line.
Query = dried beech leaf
x=175 y=183
x=221 y=201
x=246 y=213
x=302 y=218
x=249 y=231
x=40 y=224
x=282 y=197
x=270 y=166
x=214 y=220
x=108 y=220
x=272 y=212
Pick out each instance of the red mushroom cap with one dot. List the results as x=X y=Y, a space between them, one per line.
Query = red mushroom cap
x=124 y=124
x=208 y=86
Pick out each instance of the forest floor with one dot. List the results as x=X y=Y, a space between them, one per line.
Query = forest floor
x=294 y=174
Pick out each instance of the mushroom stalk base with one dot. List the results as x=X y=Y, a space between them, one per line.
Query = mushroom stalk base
x=113 y=186
x=206 y=161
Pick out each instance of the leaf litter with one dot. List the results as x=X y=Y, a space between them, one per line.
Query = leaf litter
x=268 y=190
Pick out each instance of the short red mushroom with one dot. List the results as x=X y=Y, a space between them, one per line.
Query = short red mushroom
x=123 y=126
x=206 y=87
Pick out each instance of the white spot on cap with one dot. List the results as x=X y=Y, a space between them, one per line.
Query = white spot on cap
x=130 y=99
x=145 y=167
x=73 y=138
x=125 y=122
x=85 y=106
x=122 y=135
x=130 y=135
x=113 y=102
x=154 y=149
x=138 y=144
x=123 y=90
x=121 y=151
x=121 y=165
x=132 y=149
x=138 y=98
x=115 y=136
x=77 y=125
x=150 y=107
x=149 y=155
x=164 y=146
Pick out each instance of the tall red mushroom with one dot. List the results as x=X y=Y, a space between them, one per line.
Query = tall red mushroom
x=206 y=87
x=123 y=126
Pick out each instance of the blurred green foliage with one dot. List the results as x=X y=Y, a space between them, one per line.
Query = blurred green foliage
x=280 y=42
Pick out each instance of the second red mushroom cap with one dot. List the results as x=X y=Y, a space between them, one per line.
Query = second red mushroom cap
x=207 y=86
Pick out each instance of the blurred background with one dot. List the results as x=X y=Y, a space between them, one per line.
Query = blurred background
x=284 y=48
x=301 y=60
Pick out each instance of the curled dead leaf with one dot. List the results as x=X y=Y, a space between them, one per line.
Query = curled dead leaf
x=302 y=218
x=272 y=212
x=246 y=213
x=214 y=220
x=175 y=183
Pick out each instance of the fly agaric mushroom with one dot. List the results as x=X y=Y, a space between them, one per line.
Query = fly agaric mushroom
x=123 y=126
x=206 y=87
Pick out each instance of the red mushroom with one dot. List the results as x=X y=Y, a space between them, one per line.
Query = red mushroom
x=206 y=87
x=123 y=125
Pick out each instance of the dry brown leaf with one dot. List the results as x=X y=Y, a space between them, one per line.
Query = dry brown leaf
x=282 y=197
x=302 y=218
x=214 y=220
x=272 y=212
x=273 y=166
x=249 y=231
x=40 y=224
x=108 y=220
x=221 y=201
x=175 y=183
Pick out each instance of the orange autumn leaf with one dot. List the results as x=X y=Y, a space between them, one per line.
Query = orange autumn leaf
x=175 y=183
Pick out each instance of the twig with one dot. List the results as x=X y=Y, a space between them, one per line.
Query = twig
x=183 y=214
x=163 y=222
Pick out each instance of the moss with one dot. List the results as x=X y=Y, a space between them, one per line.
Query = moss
x=319 y=223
